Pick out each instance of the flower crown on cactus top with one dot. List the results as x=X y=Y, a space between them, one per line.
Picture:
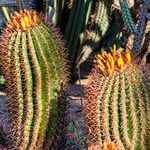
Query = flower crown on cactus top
x=109 y=62
x=23 y=20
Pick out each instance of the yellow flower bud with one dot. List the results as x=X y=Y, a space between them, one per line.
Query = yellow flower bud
x=120 y=62
x=128 y=56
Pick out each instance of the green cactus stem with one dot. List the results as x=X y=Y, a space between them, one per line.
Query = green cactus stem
x=76 y=27
x=100 y=23
x=141 y=28
x=34 y=65
x=116 y=108
x=127 y=16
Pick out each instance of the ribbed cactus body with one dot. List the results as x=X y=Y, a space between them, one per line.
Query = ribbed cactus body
x=99 y=26
x=34 y=67
x=102 y=16
x=76 y=26
x=58 y=5
x=140 y=29
x=101 y=20
x=116 y=109
x=127 y=16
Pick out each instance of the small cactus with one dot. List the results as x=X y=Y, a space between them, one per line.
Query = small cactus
x=116 y=106
x=33 y=61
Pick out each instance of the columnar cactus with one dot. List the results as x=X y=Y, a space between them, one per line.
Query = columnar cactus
x=141 y=27
x=99 y=25
x=76 y=26
x=34 y=66
x=100 y=20
x=117 y=104
x=127 y=16
x=139 y=30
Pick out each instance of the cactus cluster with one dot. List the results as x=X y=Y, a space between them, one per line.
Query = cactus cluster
x=117 y=108
x=34 y=65
x=98 y=26
x=138 y=30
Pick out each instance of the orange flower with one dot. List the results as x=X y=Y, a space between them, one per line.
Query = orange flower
x=113 y=51
x=105 y=146
x=104 y=54
x=109 y=146
x=128 y=56
x=23 y=19
x=120 y=61
x=112 y=147
x=34 y=17
x=23 y=24
x=16 y=24
x=26 y=20
x=111 y=61
x=107 y=63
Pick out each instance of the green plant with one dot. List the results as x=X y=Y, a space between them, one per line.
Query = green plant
x=99 y=25
x=76 y=27
x=59 y=6
x=140 y=29
x=127 y=16
x=34 y=65
x=116 y=105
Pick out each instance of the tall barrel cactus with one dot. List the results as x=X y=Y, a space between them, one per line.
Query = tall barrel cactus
x=34 y=65
x=117 y=104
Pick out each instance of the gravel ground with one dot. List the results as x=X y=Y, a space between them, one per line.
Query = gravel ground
x=74 y=116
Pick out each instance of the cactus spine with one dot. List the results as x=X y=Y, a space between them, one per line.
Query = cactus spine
x=117 y=109
x=141 y=28
x=34 y=66
x=127 y=16
x=116 y=105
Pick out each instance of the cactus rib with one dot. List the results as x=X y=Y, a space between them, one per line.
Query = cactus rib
x=127 y=16
x=38 y=92
x=28 y=89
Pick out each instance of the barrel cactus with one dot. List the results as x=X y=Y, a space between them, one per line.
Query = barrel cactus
x=34 y=65
x=117 y=103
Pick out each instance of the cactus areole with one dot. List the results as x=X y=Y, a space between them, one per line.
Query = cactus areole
x=117 y=103
x=33 y=60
